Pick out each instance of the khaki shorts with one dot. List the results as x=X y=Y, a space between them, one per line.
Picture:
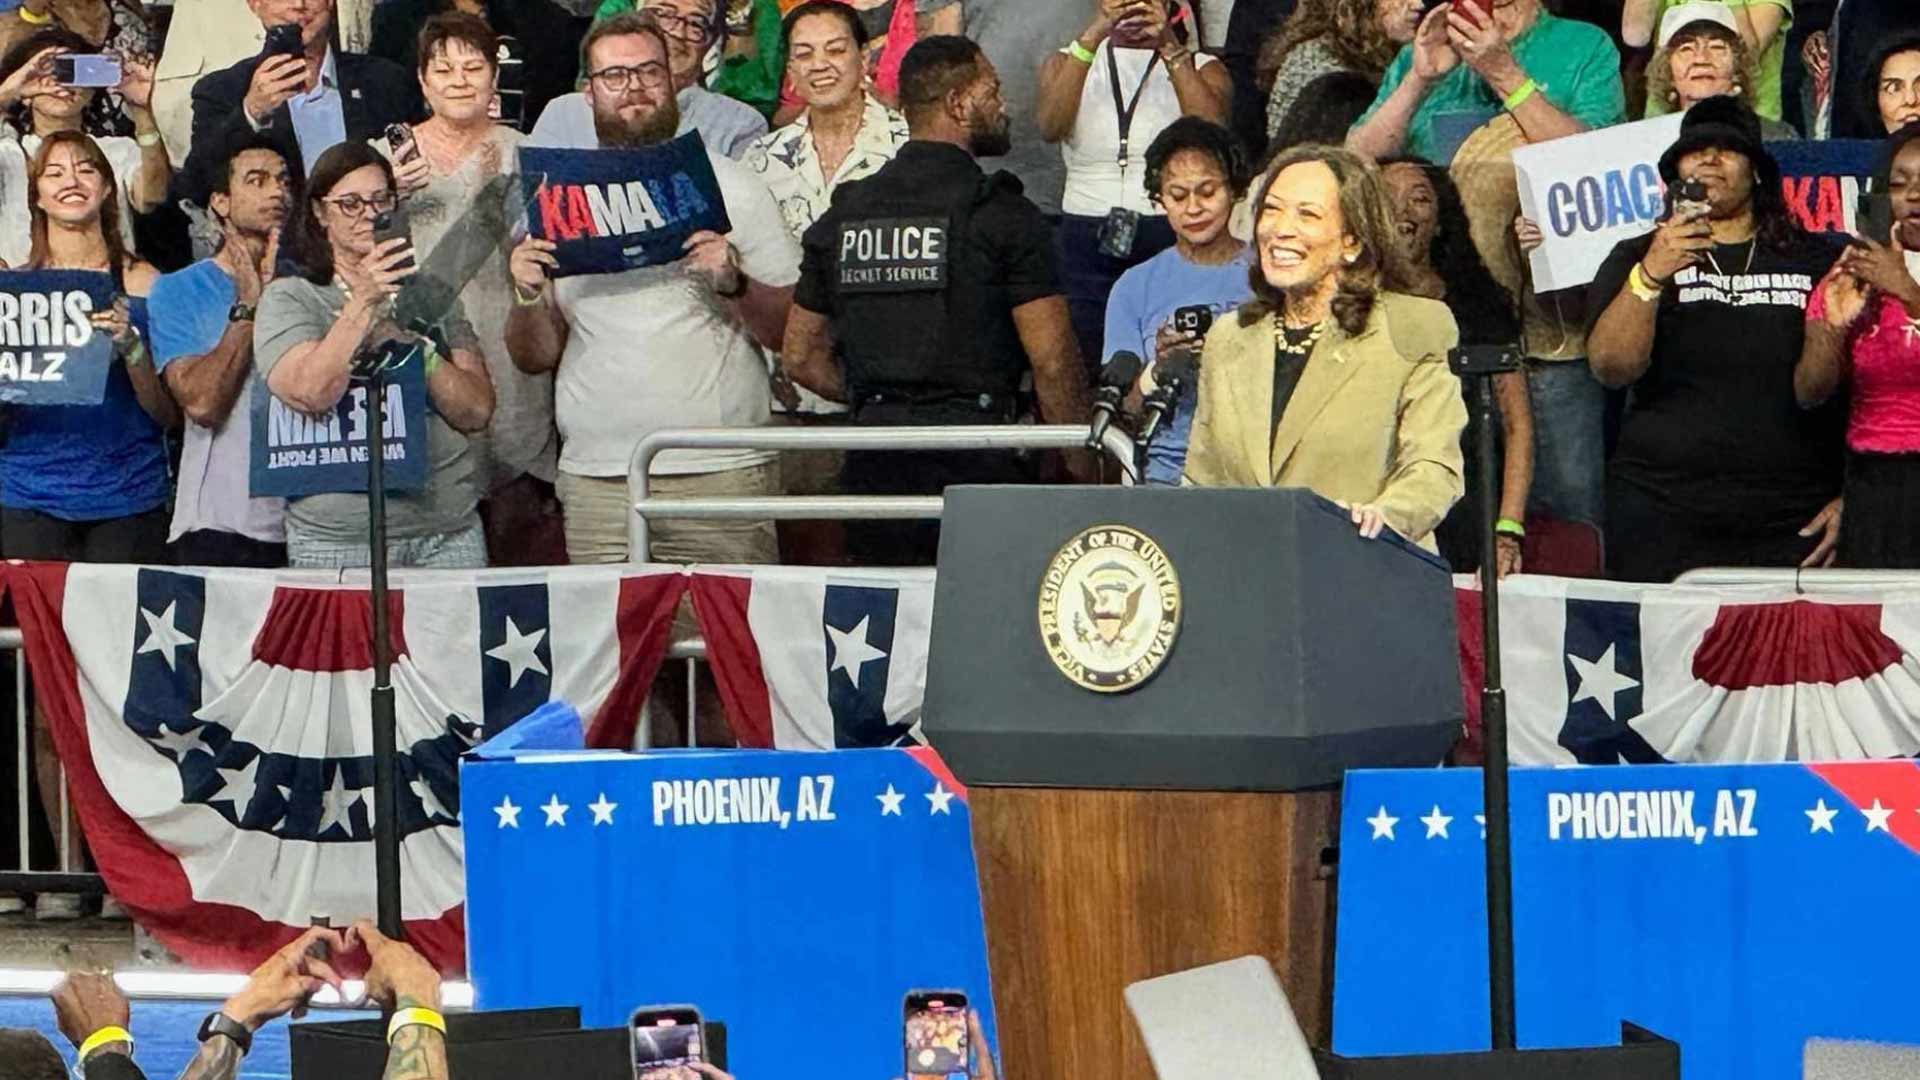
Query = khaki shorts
x=599 y=510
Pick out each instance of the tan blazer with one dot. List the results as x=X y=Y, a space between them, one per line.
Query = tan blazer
x=1376 y=418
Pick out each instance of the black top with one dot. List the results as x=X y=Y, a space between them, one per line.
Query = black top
x=918 y=317
x=1712 y=427
x=1289 y=364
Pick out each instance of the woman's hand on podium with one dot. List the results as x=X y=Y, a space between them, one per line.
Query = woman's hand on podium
x=1368 y=518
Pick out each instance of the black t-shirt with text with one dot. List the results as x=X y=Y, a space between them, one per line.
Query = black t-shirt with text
x=1712 y=427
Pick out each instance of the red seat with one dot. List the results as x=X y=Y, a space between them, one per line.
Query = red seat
x=1563 y=549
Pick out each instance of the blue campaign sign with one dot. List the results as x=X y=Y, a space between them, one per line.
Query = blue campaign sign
x=1739 y=910
x=50 y=353
x=1822 y=179
x=795 y=896
x=614 y=210
x=295 y=454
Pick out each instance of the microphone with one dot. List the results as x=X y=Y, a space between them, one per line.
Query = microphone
x=1171 y=374
x=1122 y=369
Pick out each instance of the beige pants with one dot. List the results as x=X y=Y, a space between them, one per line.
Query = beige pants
x=600 y=508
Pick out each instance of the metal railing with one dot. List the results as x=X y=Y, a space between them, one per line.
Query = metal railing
x=1803 y=581
x=18 y=875
x=984 y=437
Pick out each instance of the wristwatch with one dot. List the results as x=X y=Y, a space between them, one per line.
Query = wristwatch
x=220 y=1023
x=240 y=313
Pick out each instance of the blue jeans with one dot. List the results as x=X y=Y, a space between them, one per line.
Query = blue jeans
x=1569 y=441
x=1087 y=274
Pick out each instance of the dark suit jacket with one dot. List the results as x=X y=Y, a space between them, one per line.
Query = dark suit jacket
x=373 y=93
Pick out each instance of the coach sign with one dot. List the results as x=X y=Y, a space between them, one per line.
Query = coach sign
x=1589 y=192
x=614 y=210
x=296 y=454
x=50 y=351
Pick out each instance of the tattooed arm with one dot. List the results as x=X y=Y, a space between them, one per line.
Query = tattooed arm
x=418 y=1052
x=218 y=1059
x=400 y=978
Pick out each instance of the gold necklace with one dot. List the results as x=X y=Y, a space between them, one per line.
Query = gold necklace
x=1286 y=345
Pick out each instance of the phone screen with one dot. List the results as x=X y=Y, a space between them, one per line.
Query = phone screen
x=936 y=1033
x=665 y=1042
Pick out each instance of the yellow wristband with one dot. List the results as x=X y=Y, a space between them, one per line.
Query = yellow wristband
x=406 y=1018
x=1509 y=527
x=27 y=16
x=106 y=1036
x=1520 y=95
x=1079 y=52
x=1644 y=288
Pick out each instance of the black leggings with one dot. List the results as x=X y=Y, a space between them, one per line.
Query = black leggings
x=30 y=534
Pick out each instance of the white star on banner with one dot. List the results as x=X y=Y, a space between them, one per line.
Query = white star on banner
x=1877 y=816
x=336 y=803
x=890 y=802
x=181 y=743
x=429 y=802
x=851 y=651
x=1436 y=823
x=938 y=798
x=1481 y=820
x=509 y=813
x=163 y=636
x=237 y=786
x=556 y=812
x=603 y=810
x=1601 y=680
x=520 y=652
x=1383 y=824
x=1820 y=818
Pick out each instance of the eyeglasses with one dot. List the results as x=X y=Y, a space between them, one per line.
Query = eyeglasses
x=652 y=75
x=358 y=205
x=684 y=27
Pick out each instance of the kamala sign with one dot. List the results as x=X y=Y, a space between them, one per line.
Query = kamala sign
x=614 y=210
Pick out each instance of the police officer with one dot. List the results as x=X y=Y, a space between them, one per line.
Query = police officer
x=927 y=292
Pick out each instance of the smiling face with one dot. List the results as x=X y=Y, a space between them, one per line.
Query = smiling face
x=1197 y=196
x=826 y=67
x=1416 y=210
x=458 y=82
x=1398 y=19
x=72 y=187
x=689 y=28
x=1900 y=90
x=351 y=232
x=1301 y=232
x=1904 y=189
x=1728 y=176
x=1703 y=61
x=313 y=17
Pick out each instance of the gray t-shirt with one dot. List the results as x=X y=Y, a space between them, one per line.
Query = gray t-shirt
x=294 y=311
x=1017 y=35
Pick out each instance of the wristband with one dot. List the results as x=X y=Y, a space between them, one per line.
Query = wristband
x=106 y=1036
x=1642 y=285
x=415 y=1018
x=1509 y=527
x=27 y=16
x=433 y=358
x=1520 y=95
x=1074 y=49
x=522 y=299
x=739 y=289
x=147 y=139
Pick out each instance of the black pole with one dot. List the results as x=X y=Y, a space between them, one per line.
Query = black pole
x=386 y=800
x=1493 y=730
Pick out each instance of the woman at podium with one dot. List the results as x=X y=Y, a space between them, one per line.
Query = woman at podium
x=1327 y=380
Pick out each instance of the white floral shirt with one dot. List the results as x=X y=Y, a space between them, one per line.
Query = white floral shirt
x=787 y=161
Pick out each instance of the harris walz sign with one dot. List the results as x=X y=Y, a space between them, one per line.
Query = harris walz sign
x=50 y=351
x=615 y=210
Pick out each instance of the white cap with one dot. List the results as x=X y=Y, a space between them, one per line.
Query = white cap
x=1679 y=16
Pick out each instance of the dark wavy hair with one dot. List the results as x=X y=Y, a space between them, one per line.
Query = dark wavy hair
x=1365 y=215
x=1896 y=142
x=117 y=254
x=306 y=238
x=1477 y=299
x=1323 y=113
x=1201 y=137
x=1350 y=29
x=100 y=116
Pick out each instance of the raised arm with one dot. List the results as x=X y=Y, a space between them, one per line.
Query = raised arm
x=536 y=330
x=1620 y=346
x=1837 y=304
x=1384 y=131
x=1063 y=77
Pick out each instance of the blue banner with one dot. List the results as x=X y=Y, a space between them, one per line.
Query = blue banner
x=1822 y=180
x=50 y=352
x=797 y=897
x=295 y=454
x=1739 y=910
x=614 y=210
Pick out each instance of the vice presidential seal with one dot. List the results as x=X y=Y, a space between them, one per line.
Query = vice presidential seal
x=1110 y=608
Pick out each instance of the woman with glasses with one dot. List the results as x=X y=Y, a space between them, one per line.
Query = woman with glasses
x=309 y=331
x=461 y=183
x=1702 y=56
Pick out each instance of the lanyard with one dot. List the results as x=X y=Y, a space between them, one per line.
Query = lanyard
x=1125 y=112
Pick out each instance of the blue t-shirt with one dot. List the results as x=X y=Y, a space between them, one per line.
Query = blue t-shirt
x=87 y=462
x=1142 y=301
x=194 y=303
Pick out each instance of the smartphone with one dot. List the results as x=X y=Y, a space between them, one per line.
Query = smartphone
x=665 y=1040
x=1484 y=8
x=1688 y=197
x=393 y=225
x=1873 y=218
x=1195 y=319
x=96 y=70
x=935 y=1023
x=401 y=141
x=284 y=40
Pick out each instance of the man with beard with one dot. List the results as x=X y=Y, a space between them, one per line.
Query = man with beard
x=202 y=322
x=657 y=347
x=927 y=292
x=689 y=27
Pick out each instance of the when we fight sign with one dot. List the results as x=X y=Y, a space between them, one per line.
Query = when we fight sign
x=295 y=454
x=50 y=351
x=614 y=210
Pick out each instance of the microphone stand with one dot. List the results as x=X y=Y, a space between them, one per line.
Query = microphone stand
x=386 y=794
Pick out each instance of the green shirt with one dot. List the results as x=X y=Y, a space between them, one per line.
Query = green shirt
x=1574 y=63
x=1765 y=94
x=753 y=79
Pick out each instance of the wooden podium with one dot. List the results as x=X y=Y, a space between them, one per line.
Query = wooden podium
x=1187 y=817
